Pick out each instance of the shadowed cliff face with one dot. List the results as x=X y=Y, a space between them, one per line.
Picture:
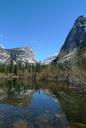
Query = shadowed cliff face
x=74 y=41
x=75 y=38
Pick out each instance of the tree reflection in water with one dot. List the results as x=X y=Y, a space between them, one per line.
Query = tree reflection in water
x=26 y=104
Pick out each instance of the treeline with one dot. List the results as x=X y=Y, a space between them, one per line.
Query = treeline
x=36 y=72
x=58 y=72
x=19 y=69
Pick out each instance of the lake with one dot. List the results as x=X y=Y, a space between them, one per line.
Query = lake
x=25 y=104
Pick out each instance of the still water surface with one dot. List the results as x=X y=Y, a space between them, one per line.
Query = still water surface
x=28 y=105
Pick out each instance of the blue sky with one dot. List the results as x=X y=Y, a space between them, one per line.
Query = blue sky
x=40 y=24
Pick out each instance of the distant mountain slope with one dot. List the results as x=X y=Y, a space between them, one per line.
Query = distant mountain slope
x=22 y=55
x=49 y=60
x=4 y=56
x=17 y=55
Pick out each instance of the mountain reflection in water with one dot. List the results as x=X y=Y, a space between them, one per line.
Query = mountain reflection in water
x=23 y=106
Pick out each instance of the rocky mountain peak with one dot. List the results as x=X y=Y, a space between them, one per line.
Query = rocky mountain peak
x=17 y=55
x=23 y=55
x=75 y=38
x=80 y=21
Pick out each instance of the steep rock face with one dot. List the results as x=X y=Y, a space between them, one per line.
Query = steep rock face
x=17 y=55
x=22 y=55
x=75 y=38
x=4 y=56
